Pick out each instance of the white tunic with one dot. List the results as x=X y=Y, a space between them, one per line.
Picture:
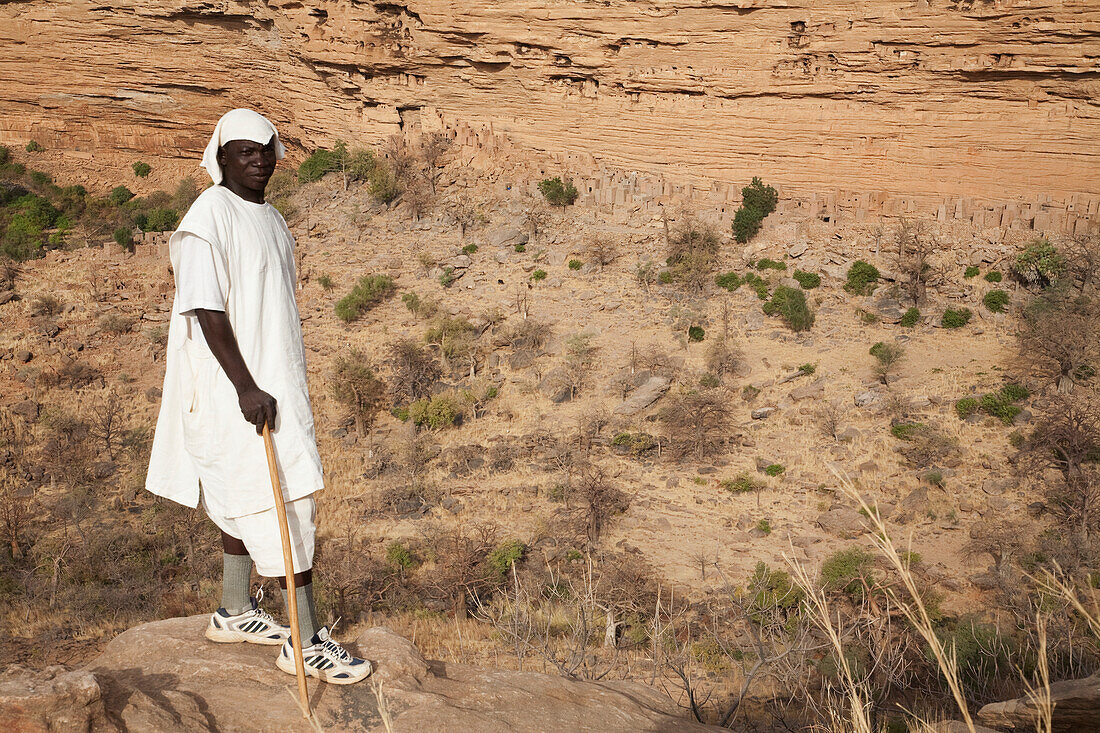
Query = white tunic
x=232 y=255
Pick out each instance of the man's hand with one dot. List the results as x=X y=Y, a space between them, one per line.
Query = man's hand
x=258 y=407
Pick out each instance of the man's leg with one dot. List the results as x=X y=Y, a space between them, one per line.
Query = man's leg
x=236 y=575
x=307 y=612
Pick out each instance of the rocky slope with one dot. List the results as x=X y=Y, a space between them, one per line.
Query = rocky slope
x=927 y=98
x=165 y=677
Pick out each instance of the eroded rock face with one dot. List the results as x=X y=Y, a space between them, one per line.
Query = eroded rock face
x=50 y=701
x=164 y=676
x=1076 y=708
x=931 y=98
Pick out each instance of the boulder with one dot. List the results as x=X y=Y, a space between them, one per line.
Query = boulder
x=762 y=413
x=507 y=236
x=888 y=310
x=1076 y=708
x=53 y=699
x=555 y=385
x=164 y=676
x=842 y=521
x=644 y=396
x=866 y=399
x=814 y=389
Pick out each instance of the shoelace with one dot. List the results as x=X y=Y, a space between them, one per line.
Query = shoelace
x=259 y=612
x=336 y=650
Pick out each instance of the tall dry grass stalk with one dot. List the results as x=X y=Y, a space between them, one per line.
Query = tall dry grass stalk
x=859 y=699
x=383 y=708
x=914 y=610
x=1040 y=694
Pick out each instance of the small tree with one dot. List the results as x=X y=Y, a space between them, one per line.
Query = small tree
x=602 y=249
x=915 y=246
x=696 y=422
x=599 y=497
x=141 y=169
x=356 y=387
x=433 y=148
x=757 y=201
x=413 y=371
x=693 y=254
x=467 y=214
x=558 y=193
x=887 y=357
x=536 y=217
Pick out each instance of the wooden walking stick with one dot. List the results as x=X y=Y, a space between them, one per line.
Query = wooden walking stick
x=288 y=564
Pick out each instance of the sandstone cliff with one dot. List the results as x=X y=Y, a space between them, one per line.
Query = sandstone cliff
x=923 y=99
x=165 y=677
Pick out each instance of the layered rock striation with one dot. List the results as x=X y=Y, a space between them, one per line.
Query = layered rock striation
x=927 y=98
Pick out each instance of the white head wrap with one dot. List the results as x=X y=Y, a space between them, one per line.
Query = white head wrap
x=239 y=124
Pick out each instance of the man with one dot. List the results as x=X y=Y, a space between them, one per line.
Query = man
x=235 y=362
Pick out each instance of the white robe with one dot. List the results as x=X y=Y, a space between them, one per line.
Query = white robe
x=201 y=434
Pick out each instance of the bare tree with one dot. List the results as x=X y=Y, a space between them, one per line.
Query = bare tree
x=467 y=214
x=107 y=422
x=1060 y=335
x=696 y=422
x=602 y=250
x=433 y=148
x=536 y=217
x=915 y=247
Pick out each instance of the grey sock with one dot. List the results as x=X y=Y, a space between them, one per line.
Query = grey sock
x=307 y=612
x=236 y=580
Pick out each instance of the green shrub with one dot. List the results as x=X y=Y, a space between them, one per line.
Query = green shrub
x=382 y=184
x=849 y=571
x=1039 y=264
x=743 y=484
x=808 y=280
x=664 y=277
x=5 y=155
x=996 y=301
x=23 y=238
x=142 y=170
x=807 y=368
x=120 y=195
x=775 y=469
x=438 y=412
x=521 y=247
x=325 y=282
x=766 y=264
x=539 y=274
x=955 y=318
x=993 y=277
x=159 y=220
x=911 y=317
x=934 y=477
x=862 y=278
x=971 y=271
x=966 y=407
x=558 y=193
x=470 y=248
x=320 y=162
x=696 y=333
x=730 y=281
x=866 y=317
x=575 y=264
x=790 y=304
x=906 y=430
x=34 y=147
x=505 y=555
x=39 y=178
x=758 y=284
x=124 y=237
x=367 y=293
x=746 y=223
x=764 y=526
x=400 y=557
x=1015 y=392
x=448 y=277
x=995 y=404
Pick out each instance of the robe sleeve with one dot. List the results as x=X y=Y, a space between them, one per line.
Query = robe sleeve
x=202 y=279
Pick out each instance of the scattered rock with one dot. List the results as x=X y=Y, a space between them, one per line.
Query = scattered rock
x=507 y=237
x=797 y=249
x=104 y=469
x=866 y=399
x=643 y=396
x=761 y=413
x=915 y=504
x=888 y=310
x=52 y=699
x=848 y=434
x=843 y=522
x=23 y=356
x=807 y=391
x=555 y=385
x=27 y=408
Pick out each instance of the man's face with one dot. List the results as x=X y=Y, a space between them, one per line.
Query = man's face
x=248 y=164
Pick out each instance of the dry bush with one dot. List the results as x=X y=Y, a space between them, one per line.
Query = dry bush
x=401 y=159
x=916 y=245
x=536 y=217
x=723 y=358
x=117 y=323
x=830 y=416
x=600 y=499
x=925 y=446
x=351 y=580
x=46 y=305
x=65 y=450
x=696 y=422
x=355 y=386
x=1002 y=540
x=887 y=357
x=460 y=570
x=16 y=496
x=467 y=213
x=578 y=362
x=1066 y=439
x=693 y=254
x=433 y=148
x=418 y=197
x=1082 y=254
x=655 y=360
x=529 y=333
x=9 y=272
x=71 y=374
x=413 y=371
x=1060 y=335
x=458 y=342
x=107 y=422
x=601 y=250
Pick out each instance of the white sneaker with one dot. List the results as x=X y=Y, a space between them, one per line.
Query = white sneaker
x=326 y=660
x=254 y=625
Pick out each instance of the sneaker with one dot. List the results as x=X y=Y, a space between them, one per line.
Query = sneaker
x=326 y=660
x=254 y=625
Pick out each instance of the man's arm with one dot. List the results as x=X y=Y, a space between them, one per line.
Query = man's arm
x=257 y=406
